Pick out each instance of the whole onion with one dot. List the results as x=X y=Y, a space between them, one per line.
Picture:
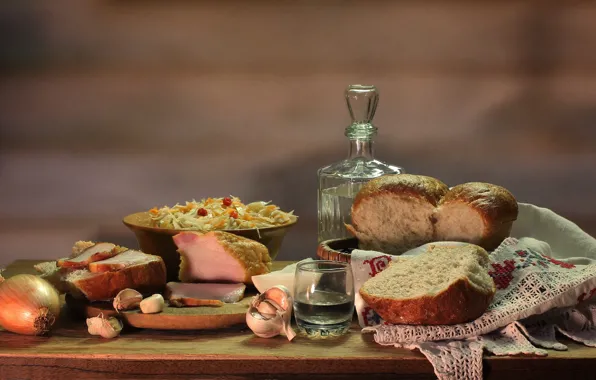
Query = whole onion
x=29 y=305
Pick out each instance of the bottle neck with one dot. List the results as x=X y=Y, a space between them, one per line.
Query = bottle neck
x=361 y=148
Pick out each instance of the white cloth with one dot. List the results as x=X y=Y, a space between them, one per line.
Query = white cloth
x=542 y=273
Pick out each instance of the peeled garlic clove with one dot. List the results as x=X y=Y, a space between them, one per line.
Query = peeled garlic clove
x=153 y=304
x=270 y=313
x=106 y=328
x=267 y=309
x=127 y=299
x=280 y=296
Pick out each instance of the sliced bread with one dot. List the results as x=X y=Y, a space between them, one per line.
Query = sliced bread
x=445 y=285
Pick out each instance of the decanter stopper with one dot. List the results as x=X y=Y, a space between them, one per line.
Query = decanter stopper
x=362 y=103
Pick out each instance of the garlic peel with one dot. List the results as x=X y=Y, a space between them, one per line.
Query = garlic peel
x=270 y=313
x=106 y=328
x=127 y=299
x=153 y=304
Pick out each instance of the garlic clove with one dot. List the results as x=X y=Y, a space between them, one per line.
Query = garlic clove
x=153 y=304
x=267 y=309
x=127 y=299
x=270 y=313
x=261 y=326
x=106 y=328
x=279 y=295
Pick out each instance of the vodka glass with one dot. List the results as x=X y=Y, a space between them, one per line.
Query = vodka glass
x=323 y=298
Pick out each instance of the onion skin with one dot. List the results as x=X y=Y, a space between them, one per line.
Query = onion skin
x=29 y=305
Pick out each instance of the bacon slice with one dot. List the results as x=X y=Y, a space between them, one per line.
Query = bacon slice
x=96 y=252
x=123 y=260
x=206 y=294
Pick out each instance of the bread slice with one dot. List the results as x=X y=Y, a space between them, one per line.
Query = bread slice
x=443 y=286
x=98 y=271
x=145 y=273
x=220 y=256
x=395 y=213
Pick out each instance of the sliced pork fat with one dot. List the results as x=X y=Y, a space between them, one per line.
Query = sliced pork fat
x=206 y=294
x=220 y=256
x=125 y=259
x=96 y=252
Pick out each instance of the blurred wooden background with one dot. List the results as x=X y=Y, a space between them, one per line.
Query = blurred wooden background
x=110 y=107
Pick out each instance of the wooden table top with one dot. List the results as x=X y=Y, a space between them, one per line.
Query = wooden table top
x=71 y=353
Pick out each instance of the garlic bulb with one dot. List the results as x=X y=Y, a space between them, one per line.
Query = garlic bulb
x=153 y=304
x=29 y=305
x=106 y=328
x=270 y=313
x=127 y=299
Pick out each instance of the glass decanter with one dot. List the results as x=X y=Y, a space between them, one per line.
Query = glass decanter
x=340 y=182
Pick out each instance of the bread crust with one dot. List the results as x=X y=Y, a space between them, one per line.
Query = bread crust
x=419 y=186
x=495 y=204
x=147 y=278
x=459 y=303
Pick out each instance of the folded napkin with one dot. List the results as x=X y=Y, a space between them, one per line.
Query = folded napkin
x=545 y=276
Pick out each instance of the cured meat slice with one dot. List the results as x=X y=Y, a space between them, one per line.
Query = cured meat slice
x=125 y=259
x=96 y=252
x=203 y=294
x=220 y=256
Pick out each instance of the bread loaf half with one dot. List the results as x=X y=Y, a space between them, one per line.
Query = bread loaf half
x=476 y=212
x=445 y=285
x=395 y=213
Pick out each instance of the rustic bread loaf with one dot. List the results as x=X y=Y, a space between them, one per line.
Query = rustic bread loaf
x=445 y=285
x=476 y=212
x=395 y=213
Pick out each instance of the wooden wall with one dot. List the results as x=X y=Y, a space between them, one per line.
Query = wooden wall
x=110 y=107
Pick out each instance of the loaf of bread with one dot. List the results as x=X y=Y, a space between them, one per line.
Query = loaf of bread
x=395 y=213
x=445 y=285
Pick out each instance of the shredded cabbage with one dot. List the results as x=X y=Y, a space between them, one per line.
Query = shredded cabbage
x=213 y=214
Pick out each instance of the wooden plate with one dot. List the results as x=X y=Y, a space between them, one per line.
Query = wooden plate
x=171 y=318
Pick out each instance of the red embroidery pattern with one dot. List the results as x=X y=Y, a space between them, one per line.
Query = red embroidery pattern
x=503 y=273
x=559 y=263
x=377 y=264
x=585 y=296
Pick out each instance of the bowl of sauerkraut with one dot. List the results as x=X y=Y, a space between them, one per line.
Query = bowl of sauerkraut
x=260 y=221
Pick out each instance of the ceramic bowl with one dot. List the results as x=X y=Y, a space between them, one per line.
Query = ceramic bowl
x=158 y=241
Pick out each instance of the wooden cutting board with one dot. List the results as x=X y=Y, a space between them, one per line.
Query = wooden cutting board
x=171 y=318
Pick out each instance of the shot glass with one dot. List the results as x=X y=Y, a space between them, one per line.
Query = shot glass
x=323 y=298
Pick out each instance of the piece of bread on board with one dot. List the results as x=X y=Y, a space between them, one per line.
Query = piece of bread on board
x=443 y=286
x=146 y=275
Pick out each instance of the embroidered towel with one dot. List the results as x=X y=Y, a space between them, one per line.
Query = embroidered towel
x=549 y=267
